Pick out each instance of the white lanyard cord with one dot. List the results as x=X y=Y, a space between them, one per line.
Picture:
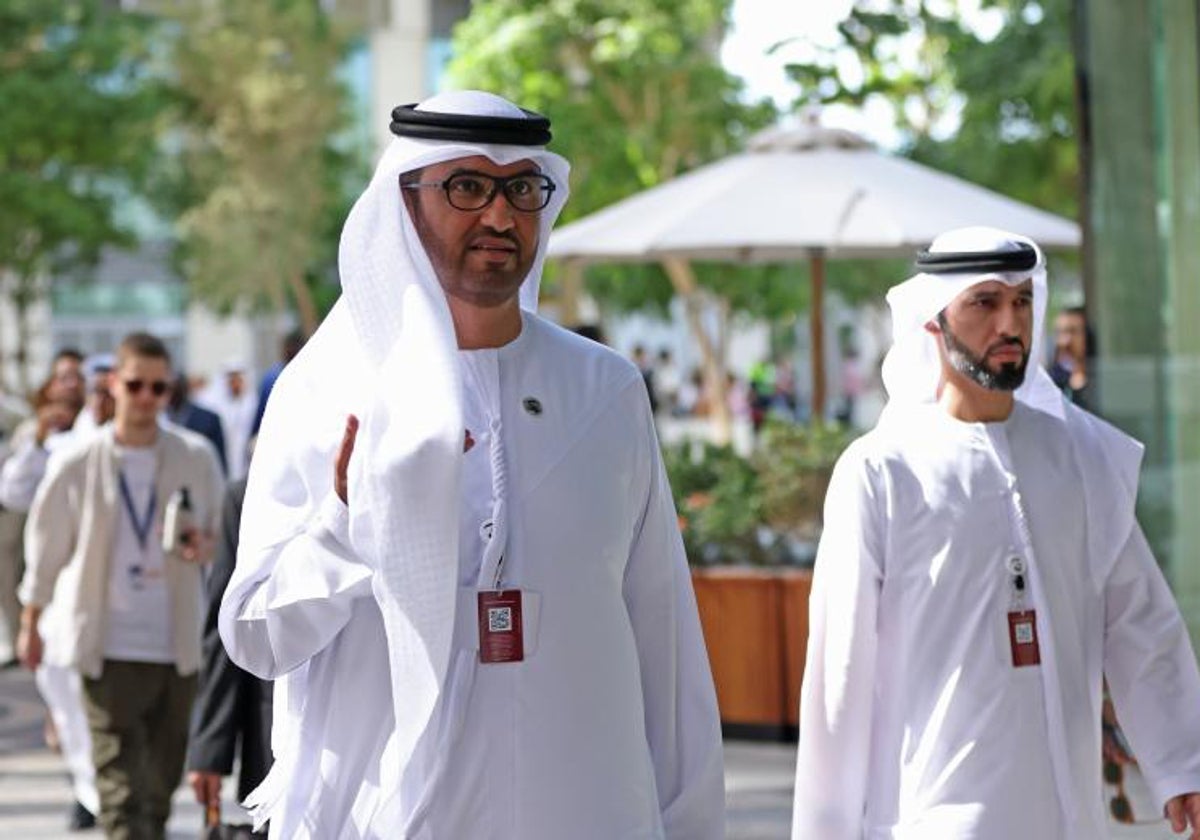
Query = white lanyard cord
x=493 y=553
x=492 y=567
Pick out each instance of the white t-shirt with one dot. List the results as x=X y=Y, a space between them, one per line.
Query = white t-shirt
x=139 y=625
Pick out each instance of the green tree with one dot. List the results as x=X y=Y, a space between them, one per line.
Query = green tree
x=997 y=110
x=266 y=168
x=637 y=95
x=82 y=111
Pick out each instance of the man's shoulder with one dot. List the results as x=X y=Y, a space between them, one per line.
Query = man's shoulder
x=209 y=416
x=185 y=443
x=73 y=447
x=897 y=436
x=870 y=451
x=597 y=364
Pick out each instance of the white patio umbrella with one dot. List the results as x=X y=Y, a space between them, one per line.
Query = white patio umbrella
x=805 y=192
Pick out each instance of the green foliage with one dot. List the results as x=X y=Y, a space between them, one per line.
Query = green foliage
x=82 y=109
x=757 y=510
x=1013 y=94
x=719 y=503
x=636 y=94
x=794 y=464
x=261 y=166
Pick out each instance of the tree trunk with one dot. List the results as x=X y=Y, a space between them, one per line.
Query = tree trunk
x=684 y=281
x=22 y=298
x=570 y=293
x=816 y=328
x=6 y=277
x=1083 y=130
x=306 y=307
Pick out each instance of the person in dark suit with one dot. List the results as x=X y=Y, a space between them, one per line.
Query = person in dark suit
x=231 y=705
x=183 y=412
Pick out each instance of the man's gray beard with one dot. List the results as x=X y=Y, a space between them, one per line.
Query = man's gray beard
x=1008 y=378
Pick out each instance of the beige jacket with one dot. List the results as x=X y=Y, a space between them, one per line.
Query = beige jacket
x=70 y=535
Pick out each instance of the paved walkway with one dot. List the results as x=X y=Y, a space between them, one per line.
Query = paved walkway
x=34 y=793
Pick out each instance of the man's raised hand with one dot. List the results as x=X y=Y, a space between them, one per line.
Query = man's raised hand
x=341 y=464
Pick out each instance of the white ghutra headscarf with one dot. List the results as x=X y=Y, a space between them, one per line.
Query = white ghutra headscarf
x=912 y=368
x=386 y=353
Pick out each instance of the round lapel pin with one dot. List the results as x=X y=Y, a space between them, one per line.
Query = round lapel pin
x=533 y=406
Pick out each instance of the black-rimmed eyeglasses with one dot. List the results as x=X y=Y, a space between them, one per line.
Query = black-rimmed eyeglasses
x=470 y=191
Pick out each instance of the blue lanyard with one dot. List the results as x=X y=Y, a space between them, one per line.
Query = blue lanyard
x=142 y=526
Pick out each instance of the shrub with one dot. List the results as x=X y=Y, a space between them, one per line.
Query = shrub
x=764 y=510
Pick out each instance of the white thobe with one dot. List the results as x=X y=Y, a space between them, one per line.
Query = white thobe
x=608 y=730
x=914 y=722
x=237 y=421
x=60 y=686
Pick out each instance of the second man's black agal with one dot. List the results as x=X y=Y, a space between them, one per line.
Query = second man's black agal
x=1019 y=257
x=531 y=130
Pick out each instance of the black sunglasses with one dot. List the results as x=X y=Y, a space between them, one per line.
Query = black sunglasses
x=158 y=387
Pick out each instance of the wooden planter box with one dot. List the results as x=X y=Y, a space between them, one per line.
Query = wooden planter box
x=755 y=625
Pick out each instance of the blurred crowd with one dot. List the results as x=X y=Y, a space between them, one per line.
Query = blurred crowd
x=88 y=574
x=768 y=389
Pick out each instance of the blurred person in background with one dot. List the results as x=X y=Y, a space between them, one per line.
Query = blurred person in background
x=55 y=406
x=107 y=544
x=692 y=400
x=23 y=471
x=853 y=386
x=228 y=396
x=232 y=722
x=646 y=367
x=84 y=384
x=667 y=380
x=592 y=332
x=739 y=398
x=289 y=348
x=184 y=413
x=1074 y=353
x=785 y=402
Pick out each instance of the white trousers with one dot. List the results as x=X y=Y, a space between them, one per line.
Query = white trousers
x=62 y=689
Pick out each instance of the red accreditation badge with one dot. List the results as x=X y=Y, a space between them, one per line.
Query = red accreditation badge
x=501 y=634
x=1022 y=637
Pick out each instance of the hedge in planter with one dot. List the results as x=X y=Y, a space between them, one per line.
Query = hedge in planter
x=765 y=510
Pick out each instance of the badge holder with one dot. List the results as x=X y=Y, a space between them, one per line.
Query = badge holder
x=501 y=626
x=1022 y=623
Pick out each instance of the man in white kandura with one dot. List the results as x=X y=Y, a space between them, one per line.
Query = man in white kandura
x=495 y=636
x=980 y=574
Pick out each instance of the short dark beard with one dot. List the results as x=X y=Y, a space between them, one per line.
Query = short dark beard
x=1009 y=377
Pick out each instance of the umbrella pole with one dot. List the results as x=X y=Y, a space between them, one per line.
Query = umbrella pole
x=816 y=330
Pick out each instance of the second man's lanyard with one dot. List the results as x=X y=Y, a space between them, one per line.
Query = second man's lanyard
x=141 y=525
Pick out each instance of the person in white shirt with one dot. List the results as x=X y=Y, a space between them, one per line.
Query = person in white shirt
x=128 y=600
x=67 y=396
x=980 y=574
x=228 y=396
x=481 y=625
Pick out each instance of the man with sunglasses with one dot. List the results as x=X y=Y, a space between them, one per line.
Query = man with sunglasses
x=459 y=556
x=126 y=593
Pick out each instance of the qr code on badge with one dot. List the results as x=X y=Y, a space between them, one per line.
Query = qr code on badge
x=499 y=619
x=1024 y=633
